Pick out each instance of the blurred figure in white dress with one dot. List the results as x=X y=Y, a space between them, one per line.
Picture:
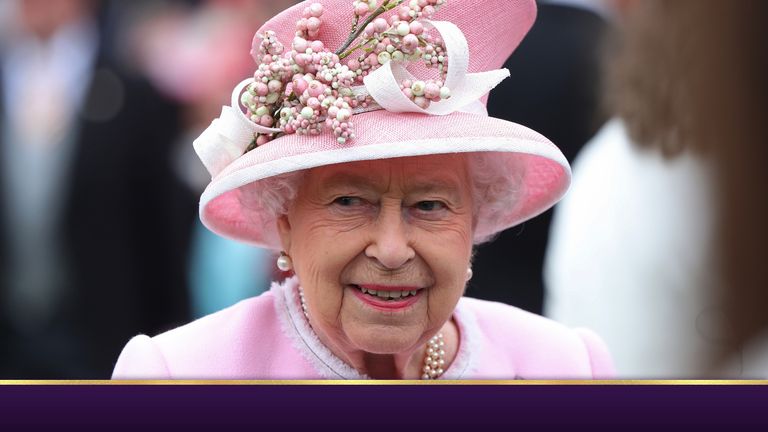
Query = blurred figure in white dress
x=637 y=248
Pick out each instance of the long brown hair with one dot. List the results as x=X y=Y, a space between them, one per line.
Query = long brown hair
x=737 y=118
x=692 y=75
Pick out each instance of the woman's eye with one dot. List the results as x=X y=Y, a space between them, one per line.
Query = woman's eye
x=347 y=201
x=430 y=206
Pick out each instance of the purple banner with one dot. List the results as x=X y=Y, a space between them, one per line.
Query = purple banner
x=378 y=407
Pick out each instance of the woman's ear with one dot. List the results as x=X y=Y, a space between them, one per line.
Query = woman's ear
x=284 y=230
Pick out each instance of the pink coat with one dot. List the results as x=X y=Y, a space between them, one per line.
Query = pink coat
x=267 y=337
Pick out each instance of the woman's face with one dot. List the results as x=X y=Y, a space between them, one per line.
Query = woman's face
x=399 y=227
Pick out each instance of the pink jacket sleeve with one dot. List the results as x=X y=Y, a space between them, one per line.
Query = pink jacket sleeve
x=599 y=357
x=141 y=359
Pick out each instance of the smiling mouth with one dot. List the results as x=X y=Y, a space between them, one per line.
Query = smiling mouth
x=388 y=295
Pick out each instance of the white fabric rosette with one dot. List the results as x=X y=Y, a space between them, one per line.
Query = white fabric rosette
x=228 y=136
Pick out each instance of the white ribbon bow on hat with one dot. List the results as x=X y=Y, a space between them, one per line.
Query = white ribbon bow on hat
x=227 y=138
x=383 y=84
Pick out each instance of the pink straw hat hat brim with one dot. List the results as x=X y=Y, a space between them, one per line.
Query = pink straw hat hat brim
x=542 y=171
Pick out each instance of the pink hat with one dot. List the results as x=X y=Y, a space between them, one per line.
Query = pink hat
x=279 y=121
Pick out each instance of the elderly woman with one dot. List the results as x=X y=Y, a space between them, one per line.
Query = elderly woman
x=374 y=185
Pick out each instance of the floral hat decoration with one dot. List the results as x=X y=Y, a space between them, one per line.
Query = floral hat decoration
x=340 y=81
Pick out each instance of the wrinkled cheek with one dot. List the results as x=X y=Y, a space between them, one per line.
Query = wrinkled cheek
x=442 y=302
x=454 y=240
x=319 y=278
x=451 y=283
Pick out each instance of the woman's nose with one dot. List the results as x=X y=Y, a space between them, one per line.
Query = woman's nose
x=390 y=243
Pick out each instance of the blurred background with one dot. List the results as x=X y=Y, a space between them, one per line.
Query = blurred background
x=659 y=105
x=99 y=236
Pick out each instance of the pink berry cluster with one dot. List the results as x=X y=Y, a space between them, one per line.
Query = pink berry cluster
x=403 y=37
x=423 y=93
x=302 y=90
x=307 y=89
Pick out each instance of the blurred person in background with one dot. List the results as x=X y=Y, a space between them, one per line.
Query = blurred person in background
x=93 y=229
x=194 y=54
x=660 y=244
x=556 y=89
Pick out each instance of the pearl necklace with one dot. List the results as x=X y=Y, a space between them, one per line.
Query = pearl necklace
x=434 y=358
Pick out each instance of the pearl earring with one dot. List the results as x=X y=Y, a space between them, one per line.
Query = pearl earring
x=284 y=262
x=469 y=273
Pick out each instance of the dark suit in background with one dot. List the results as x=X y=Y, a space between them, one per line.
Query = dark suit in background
x=555 y=90
x=123 y=232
